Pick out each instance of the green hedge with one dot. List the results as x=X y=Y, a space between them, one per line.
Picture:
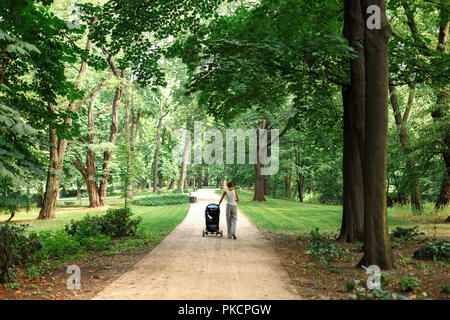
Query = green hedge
x=161 y=200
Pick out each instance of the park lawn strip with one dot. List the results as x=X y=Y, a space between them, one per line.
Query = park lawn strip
x=288 y=216
x=98 y=269
x=288 y=225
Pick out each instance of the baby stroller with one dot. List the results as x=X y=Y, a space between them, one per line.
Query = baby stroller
x=212 y=216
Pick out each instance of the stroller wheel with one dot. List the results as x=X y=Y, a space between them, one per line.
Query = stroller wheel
x=203 y=232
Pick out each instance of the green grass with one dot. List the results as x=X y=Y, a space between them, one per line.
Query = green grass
x=157 y=222
x=280 y=216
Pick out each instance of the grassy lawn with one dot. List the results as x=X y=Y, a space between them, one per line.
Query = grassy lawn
x=280 y=216
x=157 y=222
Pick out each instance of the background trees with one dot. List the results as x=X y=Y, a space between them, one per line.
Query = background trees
x=99 y=104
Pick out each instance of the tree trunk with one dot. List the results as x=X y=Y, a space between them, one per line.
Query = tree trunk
x=57 y=151
x=112 y=137
x=400 y=121
x=377 y=246
x=300 y=182
x=158 y=138
x=224 y=178
x=78 y=192
x=442 y=104
x=353 y=97
x=206 y=179
x=171 y=185
x=184 y=163
x=259 y=183
x=200 y=177
x=266 y=186
x=287 y=186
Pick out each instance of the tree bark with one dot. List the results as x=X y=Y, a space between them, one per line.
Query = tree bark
x=353 y=96
x=200 y=177
x=158 y=138
x=113 y=134
x=377 y=246
x=442 y=104
x=400 y=121
x=184 y=163
x=287 y=186
x=57 y=151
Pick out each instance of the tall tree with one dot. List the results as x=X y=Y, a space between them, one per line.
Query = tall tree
x=377 y=246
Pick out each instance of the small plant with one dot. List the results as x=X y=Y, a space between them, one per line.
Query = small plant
x=409 y=283
x=406 y=233
x=16 y=248
x=434 y=250
x=59 y=243
x=326 y=251
x=97 y=243
x=445 y=289
x=349 y=286
x=315 y=234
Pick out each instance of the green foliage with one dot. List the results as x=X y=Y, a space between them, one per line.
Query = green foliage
x=161 y=200
x=98 y=243
x=59 y=243
x=326 y=251
x=86 y=227
x=119 y=222
x=409 y=283
x=116 y=223
x=434 y=250
x=406 y=233
x=445 y=288
x=16 y=248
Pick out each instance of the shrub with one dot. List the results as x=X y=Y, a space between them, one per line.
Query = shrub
x=86 y=227
x=118 y=222
x=406 y=233
x=409 y=283
x=59 y=243
x=434 y=250
x=97 y=243
x=16 y=247
x=161 y=200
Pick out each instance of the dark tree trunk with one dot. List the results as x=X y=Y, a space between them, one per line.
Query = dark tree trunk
x=353 y=97
x=377 y=246
x=206 y=179
x=442 y=104
x=300 y=182
x=266 y=186
x=259 y=183
x=287 y=186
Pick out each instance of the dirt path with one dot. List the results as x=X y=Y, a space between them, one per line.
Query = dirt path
x=187 y=266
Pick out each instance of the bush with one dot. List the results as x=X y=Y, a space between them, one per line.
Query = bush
x=16 y=247
x=118 y=222
x=409 y=283
x=434 y=250
x=97 y=243
x=86 y=227
x=59 y=243
x=406 y=233
x=161 y=200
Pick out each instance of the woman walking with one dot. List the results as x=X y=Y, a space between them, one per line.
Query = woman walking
x=232 y=198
